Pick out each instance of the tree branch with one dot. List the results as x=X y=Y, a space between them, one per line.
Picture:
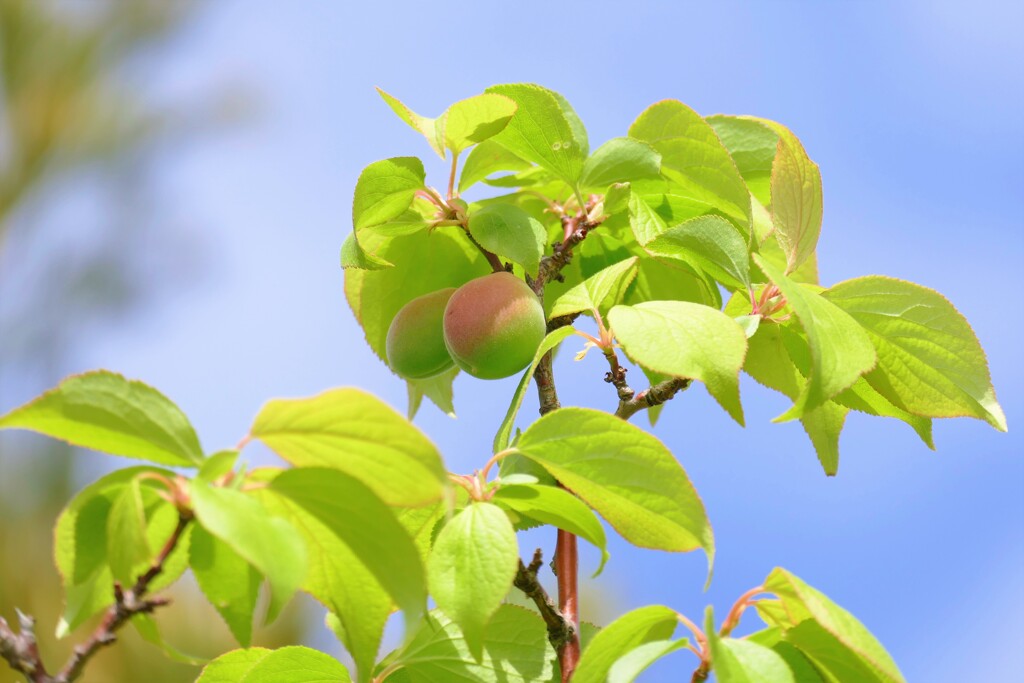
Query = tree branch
x=653 y=396
x=560 y=631
x=22 y=653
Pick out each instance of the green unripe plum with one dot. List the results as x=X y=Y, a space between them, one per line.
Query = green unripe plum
x=415 y=344
x=493 y=326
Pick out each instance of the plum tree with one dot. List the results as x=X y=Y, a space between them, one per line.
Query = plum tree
x=415 y=344
x=493 y=325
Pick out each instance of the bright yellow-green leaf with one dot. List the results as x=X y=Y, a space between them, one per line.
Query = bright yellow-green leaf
x=622 y=636
x=296 y=664
x=385 y=189
x=929 y=360
x=620 y=160
x=509 y=231
x=476 y=119
x=709 y=243
x=682 y=339
x=431 y=129
x=357 y=433
x=229 y=582
x=598 y=292
x=103 y=411
x=231 y=667
x=486 y=158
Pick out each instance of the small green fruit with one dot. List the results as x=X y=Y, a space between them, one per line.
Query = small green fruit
x=493 y=326
x=415 y=344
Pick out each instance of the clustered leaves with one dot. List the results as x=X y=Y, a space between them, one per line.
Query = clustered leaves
x=690 y=243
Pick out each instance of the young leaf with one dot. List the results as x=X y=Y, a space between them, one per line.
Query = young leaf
x=621 y=637
x=217 y=465
x=486 y=158
x=501 y=439
x=439 y=389
x=647 y=225
x=663 y=280
x=103 y=411
x=929 y=360
x=231 y=667
x=509 y=231
x=431 y=129
x=694 y=159
x=296 y=664
x=739 y=661
x=840 y=349
x=829 y=635
x=542 y=131
x=629 y=667
x=752 y=146
x=229 y=582
x=620 y=160
x=685 y=340
x=276 y=551
x=357 y=433
x=623 y=473
x=597 y=292
x=147 y=627
x=515 y=650
x=361 y=520
x=559 y=508
x=385 y=189
x=127 y=545
x=476 y=119
x=863 y=397
x=796 y=198
x=708 y=243
x=471 y=568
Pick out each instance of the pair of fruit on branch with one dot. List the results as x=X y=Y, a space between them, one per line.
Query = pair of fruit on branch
x=489 y=327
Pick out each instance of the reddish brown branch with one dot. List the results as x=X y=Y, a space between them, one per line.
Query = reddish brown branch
x=567 y=570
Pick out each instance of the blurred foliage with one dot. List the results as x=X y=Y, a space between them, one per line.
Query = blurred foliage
x=74 y=125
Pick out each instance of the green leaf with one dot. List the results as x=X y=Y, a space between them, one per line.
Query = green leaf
x=829 y=635
x=296 y=664
x=515 y=650
x=509 y=231
x=543 y=131
x=276 y=551
x=708 y=243
x=553 y=339
x=769 y=362
x=127 y=545
x=616 y=199
x=80 y=544
x=559 y=508
x=629 y=667
x=620 y=160
x=598 y=292
x=424 y=263
x=664 y=280
x=929 y=360
x=486 y=158
x=385 y=189
x=801 y=667
x=431 y=129
x=623 y=473
x=217 y=465
x=645 y=222
x=621 y=637
x=471 y=568
x=740 y=661
x=796 y=198
x=840 y=349
x=685 y=340
x=752 y=146
x=439 y=389
x=103 y=411
x=353 y=256
x=476 y=119
x=340 y=581
x=694 y=159
x=232 y=667
x=863 y=397
x=357 y=433
x=147 y=627
x=362 y=521
x=229 y=582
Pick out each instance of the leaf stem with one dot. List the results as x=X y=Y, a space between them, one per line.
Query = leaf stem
x=451 y=176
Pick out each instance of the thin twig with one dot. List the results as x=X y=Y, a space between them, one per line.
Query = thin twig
x=22 y=653
x=654 y=396
x=560 y=631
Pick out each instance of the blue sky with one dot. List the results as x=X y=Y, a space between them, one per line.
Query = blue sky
x=913 y=111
